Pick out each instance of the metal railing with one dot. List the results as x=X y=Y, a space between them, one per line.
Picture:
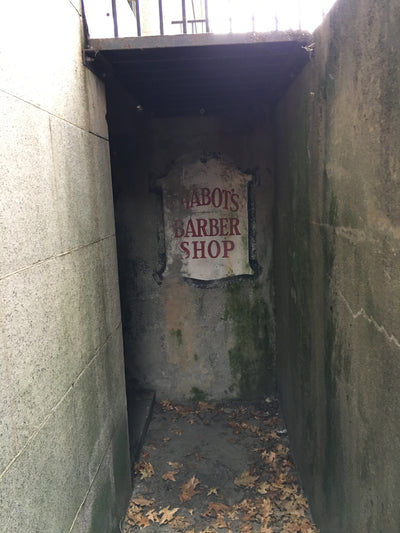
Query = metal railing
x=183 y=22
x=136 y=18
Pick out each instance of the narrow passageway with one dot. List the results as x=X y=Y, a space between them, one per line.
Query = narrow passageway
x=224 y=467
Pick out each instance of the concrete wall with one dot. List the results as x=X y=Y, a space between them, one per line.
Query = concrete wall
x=182 y=339
x=338 y=269
x=63 y=435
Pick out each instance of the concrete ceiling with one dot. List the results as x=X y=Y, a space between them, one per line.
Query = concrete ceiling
x=191 y=74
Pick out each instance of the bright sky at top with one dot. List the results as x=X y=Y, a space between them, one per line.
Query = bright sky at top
x=225 y=15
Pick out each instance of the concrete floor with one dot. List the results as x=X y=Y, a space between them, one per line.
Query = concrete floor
x=217 y=467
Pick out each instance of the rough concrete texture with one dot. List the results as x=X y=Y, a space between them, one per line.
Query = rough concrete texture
x=337 y=268
x=63 y=430
x=183 y=339
x=217 y=467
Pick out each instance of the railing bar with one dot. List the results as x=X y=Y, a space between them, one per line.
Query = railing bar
x=115 y=17
x=138 y=25
x=194 y=26
x=189 y=21
x=184 y=16
x=206 y=16
x=161 y=16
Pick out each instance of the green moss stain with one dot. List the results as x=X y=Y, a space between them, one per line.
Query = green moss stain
x=333 y=356
x=253 y=356
x=302 y=273
x=177 y=335
x=197 y=395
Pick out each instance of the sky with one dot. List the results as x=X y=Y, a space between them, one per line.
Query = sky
x=238 y=15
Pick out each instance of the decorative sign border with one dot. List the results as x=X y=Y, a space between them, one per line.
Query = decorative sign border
x=206 y=220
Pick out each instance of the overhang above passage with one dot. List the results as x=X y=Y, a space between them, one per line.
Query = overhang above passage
x=191 y=74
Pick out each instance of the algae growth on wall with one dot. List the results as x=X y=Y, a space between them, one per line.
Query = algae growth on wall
x=337 y=273
x=184 y=331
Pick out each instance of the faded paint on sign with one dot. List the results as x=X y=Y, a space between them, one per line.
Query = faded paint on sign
x=206 y=220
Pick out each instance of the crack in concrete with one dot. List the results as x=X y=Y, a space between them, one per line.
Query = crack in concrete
x=354 y=235
x=362 y=313
x=55 y=256
x=50 y=113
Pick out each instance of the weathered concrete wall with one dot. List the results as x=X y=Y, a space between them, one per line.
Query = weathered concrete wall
x=183 y=339
x=338 y=269
x=64 y=463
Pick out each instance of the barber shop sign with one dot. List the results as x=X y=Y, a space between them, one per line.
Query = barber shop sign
x=206 y=222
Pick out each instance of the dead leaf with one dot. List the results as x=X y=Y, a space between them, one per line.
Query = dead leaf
x=216 y=509
x=277 y=503
x=179 y=523
x=170 y=475
x=246 y=480
x=220 y=523
x=204 y=406
x=265 y=509
x=301 y=501
x=142 y=502
x=266 y=529
x=166 y=405
x=282 y=450
x=247 y=505
x=183 y=410
x=263 y=488
x=175 y=466
x=233 y=514
x=152 y=515
x=144 y=469
x=138 y=519
x=269 y=457
x=188 y=489
x=167 y=514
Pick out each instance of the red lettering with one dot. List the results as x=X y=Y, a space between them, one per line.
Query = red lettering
x=223 y=227
x=214 y=230
x=217 y=246
x=203 y=250
x=190 y=229
x=202 y=227
x=199 y=247
x=235 y=198
x=226 y=199
x=184 y=247
x=178 y=229
x=234 y=223
x=216 y=197
x=194 y=201
x=228 y=247
x=205 y=196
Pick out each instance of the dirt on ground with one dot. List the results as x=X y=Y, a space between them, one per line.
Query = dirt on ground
x=223 y=467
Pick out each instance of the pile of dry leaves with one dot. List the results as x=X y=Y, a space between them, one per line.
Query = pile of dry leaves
x=269 y=496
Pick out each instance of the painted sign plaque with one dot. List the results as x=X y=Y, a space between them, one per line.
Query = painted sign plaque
x=206 y=220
